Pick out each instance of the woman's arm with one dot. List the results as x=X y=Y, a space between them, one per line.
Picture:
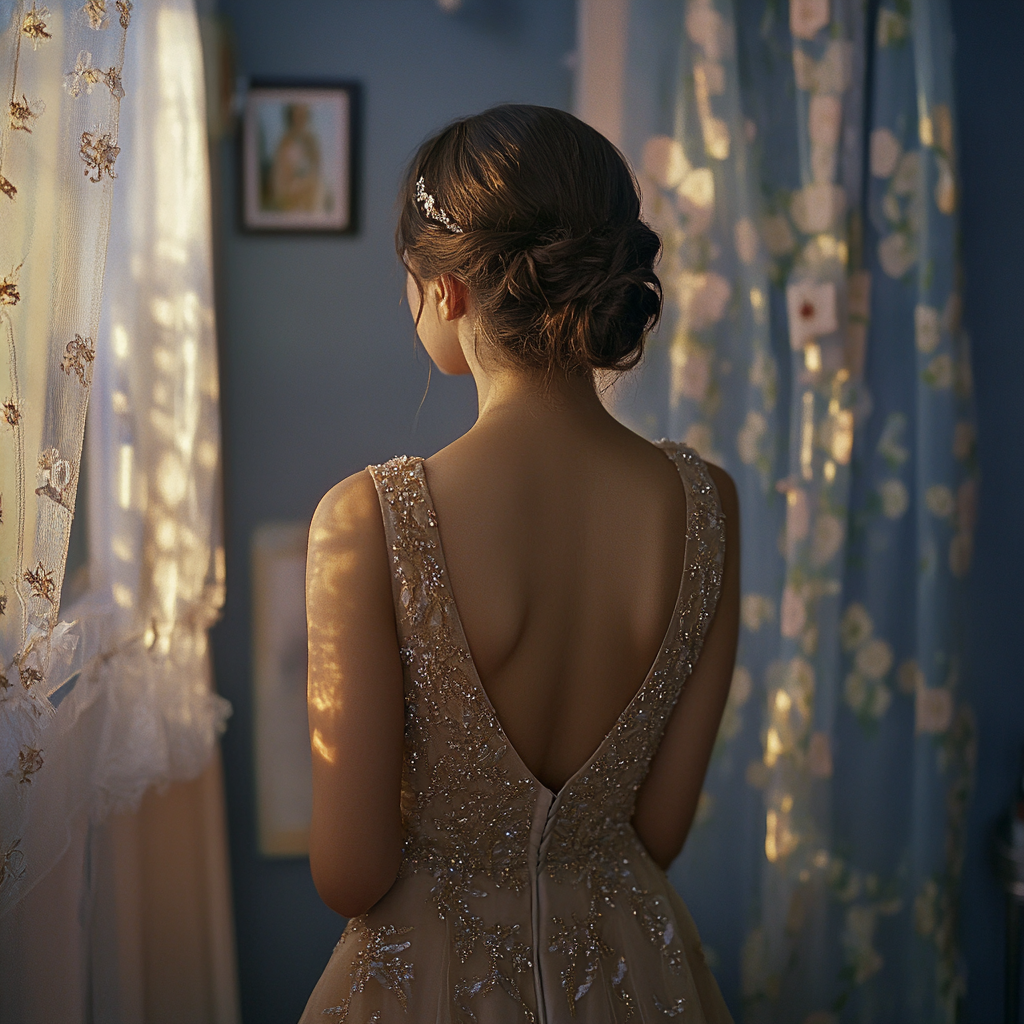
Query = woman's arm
x=668 y=798
x=355 y=700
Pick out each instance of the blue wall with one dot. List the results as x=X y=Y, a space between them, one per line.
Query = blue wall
x=320 y=377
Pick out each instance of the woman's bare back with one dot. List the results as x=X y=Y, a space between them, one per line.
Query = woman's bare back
x=564 y=549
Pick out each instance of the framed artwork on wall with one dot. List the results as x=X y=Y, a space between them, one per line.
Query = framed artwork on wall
x=298 y=157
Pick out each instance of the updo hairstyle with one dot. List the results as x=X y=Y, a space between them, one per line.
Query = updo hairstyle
x=552 y=248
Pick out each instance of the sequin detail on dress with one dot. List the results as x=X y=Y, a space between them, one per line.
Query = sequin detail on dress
x=515 y=904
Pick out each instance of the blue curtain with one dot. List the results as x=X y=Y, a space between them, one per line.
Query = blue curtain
x=799 y=162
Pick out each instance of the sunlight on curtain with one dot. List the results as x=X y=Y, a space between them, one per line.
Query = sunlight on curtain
x=58 y=154
x=109 y=691
x=799 y=162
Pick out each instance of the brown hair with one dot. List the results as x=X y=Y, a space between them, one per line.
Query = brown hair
x=552 y=248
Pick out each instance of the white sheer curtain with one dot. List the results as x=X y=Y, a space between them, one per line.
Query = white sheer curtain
x=103 y=167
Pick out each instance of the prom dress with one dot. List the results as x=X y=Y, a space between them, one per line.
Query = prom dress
x=513 y=903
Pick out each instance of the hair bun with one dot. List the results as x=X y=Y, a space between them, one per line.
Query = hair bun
x=560 y=264
x=591 y=298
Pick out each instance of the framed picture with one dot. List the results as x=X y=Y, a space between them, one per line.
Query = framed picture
x=281 y=739
x=299 y=157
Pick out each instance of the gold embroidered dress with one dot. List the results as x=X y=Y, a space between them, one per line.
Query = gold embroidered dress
x=514 y=903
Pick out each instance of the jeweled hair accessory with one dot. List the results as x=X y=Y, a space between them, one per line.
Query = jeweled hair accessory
x=432 y=211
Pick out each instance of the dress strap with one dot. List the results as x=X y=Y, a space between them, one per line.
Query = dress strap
x=705 y=540
x=410 y=526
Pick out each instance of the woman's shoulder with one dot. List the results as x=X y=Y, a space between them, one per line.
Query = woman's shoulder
x=348 y=512
x=728 y=496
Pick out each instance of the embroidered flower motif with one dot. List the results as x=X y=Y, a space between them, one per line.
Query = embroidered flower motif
x=99 y=153
x=33 y=25
x=867 y=698
x=83 y=76
x=665 y=161
x=897 y=254
x=874 y=659
x=939 y=372
x=124 y=9
x=856 y=626
x=698 y=187
x=812 y=311
x=41 y=582
x=96 y=12
x=817 y=207
x=892 y=29
x=113 y=79
x=748 y=439
x=831 y=74
x=824 y=119
x=703 y=298
x=907 y=177
x=808 y=17
x=939 y=500
x=30 y=760
x=12 y=863
x=933 y=709
x=885 y=152
x=777 y=234
x=29 y=676
x=55 y=475
x=945 y=187
x=926 y=328
x=794 y=613
x=827 y=539
x=7 y=187
x=9 y=294
x=745 y=237
x=25 y=112
x=708 y=29
x=12 y=414
x=755 y=610
x=79 y=353
x=895 y=498
x=691 y=371
x=798 y=515
x=909 y=677
x=378 y=959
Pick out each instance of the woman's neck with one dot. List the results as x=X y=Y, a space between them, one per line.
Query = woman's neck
x=539 y=399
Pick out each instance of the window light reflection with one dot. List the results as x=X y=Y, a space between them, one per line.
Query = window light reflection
x=125 y=460
x=325 y=750
x=119 y=341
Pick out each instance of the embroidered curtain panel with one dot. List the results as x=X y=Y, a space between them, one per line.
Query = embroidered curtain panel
x=104 y=681
x=799 y=161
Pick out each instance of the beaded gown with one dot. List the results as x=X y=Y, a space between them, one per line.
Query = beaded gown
x=513 y=903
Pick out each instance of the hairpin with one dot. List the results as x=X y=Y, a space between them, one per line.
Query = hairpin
x=432 y=211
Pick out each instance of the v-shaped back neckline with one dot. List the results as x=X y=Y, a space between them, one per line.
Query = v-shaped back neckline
x=474 y=675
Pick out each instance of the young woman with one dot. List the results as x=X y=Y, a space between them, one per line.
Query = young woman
x=520 y=648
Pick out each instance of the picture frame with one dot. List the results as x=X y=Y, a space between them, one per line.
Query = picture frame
x=298 y=155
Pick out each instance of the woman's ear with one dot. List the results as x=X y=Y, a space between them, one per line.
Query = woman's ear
x=452 y=297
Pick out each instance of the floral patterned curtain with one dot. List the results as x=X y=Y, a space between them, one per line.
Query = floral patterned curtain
x=799 y=161
x=105 y=291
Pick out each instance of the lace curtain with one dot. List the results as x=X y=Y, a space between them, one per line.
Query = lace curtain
x=105 y=302
x=800 y=163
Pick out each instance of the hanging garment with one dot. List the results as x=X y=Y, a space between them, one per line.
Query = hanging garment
x=514 y=903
